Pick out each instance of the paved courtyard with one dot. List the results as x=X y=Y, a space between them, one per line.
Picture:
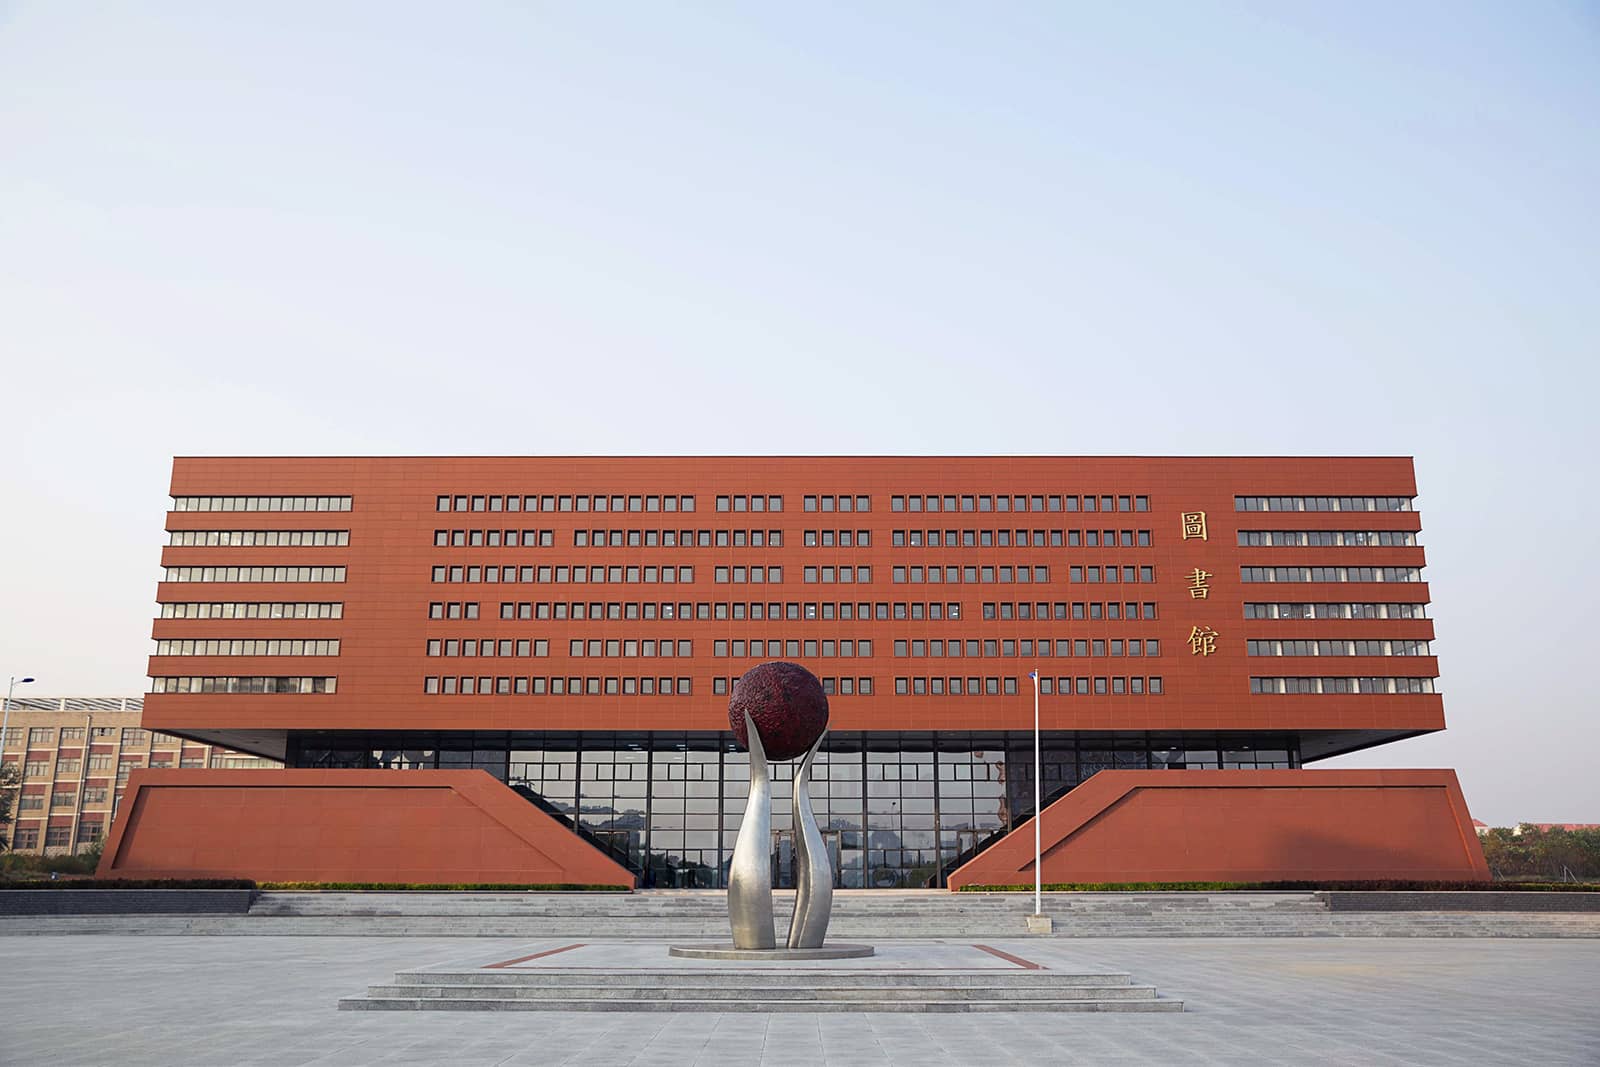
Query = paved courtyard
x=270 y=1000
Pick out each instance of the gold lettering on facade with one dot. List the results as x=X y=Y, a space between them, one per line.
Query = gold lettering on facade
x=1194 y=526
x=1202 y=641
x=1198 y=589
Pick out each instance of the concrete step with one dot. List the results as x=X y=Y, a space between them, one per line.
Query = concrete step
x=762 y=991
x=846 y=927
x=713 y=905
x=560 y=979
x=898 y=1004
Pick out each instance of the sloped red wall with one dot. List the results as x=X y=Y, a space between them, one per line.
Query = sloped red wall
x=344 y=826
x=1201 y=826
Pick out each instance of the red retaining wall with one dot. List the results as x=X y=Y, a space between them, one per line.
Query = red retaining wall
x=1236 y=826
x=344 y=826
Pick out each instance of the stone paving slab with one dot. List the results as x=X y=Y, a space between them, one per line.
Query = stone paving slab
x=270 y=1000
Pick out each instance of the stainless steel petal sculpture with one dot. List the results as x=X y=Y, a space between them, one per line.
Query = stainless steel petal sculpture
x=750 y=874
x=779 y=712
x=813 y=900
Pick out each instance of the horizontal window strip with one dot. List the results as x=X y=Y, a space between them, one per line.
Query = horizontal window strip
x=1325 y=685
x=259 y=538
x=254 y=574
x=275 y=646
x=1335 y=611
x=260 y=503
x=238 y=684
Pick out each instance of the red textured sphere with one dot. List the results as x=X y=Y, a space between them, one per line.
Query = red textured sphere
x=787 y=704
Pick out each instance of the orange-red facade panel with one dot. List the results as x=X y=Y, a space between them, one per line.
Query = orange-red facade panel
x=443 y=827
x=1247 y=826
x=391 y=555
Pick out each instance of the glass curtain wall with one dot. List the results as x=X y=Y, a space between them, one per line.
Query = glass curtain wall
x=896 y=810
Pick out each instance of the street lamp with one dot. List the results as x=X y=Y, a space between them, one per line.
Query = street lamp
x=5 y=716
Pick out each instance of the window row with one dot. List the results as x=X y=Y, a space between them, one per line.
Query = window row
x=494 y=538
x=1330 y=574
x=838 y=539
x=486 y=686
x=752 y=575
x=563 y=503
x=1341 y=685
x=1322 y=503
x=45 y=735
x=254 y=574
x=1338 y=648
x=749 y=503
x=458 y=610
x=1128 y=574
x=237 y=684
x=1043 y=646
x=811 y=648
x=722 y=610
x=677 y=538
x=1020 y=538
x=838 y=503
x=1008 y=686
x=1074 y=610
x=832 y=686
x=248 y=610
x=947 y=502
x=260 y=538
x=839 y=575
x=27 y=837
x=260 y=503
x=505 y=647
x=563 y=575
x=1098 y=686
x=953 y=574
x=275 y=646
x=1327 y=538
x=1335 y=611
x=628 y=647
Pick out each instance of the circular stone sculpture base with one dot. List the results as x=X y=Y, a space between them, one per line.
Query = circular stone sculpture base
x=773 y=955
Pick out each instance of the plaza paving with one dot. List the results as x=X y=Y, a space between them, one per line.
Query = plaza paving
x=271 y=1000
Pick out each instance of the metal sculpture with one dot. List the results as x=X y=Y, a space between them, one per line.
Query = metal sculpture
x=781 y=708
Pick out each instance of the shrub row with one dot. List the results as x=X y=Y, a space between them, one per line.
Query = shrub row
x=133 y=883
x=1382 y=885
x=446 y=887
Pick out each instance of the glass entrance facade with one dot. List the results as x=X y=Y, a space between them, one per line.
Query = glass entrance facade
x=897 y=810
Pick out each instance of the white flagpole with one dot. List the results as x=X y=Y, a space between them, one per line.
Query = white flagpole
x=1038 y=874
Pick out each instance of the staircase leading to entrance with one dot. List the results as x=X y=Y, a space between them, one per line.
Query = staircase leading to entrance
x=906 y=976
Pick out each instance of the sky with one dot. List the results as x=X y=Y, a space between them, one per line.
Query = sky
x=520 y=228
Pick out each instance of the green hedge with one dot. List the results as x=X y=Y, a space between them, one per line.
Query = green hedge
x=133 y=883
x=446 y=887
x=1394 y=886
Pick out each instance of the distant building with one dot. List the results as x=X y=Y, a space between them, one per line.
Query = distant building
x=1480 y=826
x=75 y=755
x=1546 y=827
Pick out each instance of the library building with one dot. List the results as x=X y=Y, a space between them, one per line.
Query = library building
x=516 y=670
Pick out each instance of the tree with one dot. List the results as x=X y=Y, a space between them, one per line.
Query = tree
x=1529 y=852
x=9 y=779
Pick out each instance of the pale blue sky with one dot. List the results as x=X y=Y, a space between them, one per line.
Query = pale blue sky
x=518 y=228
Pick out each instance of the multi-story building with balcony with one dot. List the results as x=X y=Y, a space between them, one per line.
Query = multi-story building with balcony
x=573 y=627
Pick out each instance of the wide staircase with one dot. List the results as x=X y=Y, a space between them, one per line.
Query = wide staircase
x=883 y=914
x=857 y=914
x=766 y=990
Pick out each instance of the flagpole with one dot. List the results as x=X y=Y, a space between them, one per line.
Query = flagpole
x=1038 y=814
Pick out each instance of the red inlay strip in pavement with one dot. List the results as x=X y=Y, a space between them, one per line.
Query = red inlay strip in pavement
x=535 y=956
x=1009 y=958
